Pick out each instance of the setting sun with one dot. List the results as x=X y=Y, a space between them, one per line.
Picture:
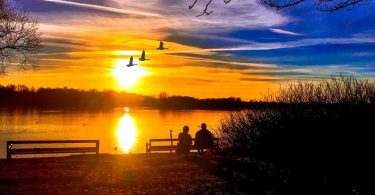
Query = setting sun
x=127 y=52
x=128 y=76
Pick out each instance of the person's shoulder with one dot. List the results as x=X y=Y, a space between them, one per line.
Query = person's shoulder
x=208 y=132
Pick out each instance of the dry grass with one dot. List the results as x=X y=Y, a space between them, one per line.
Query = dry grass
x=338 y=89
x=112 y=174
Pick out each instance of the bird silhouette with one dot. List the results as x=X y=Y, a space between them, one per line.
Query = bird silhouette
x=161 y=46
x=143 y=57
x=131 y=62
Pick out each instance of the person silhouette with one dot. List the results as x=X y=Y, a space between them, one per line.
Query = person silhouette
x=184 y=142
x=203 y=139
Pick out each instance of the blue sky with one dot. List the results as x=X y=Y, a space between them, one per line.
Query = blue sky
x=255 y=46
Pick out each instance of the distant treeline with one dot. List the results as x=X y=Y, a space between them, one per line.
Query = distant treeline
x=61 y=98
x=22 y=96
x=185 y=102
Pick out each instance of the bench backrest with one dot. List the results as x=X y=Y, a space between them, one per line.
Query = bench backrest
x=45 y=150
x=171 y=141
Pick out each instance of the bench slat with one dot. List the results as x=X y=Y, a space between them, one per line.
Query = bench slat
x=163 y=140
x=175 y=139
x=11 y=149
x=52 y=150
x=168 y=148
x=162 y=148
x=150 y=147
x=52 y=141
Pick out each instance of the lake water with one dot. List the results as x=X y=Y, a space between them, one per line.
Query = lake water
x=121 y=130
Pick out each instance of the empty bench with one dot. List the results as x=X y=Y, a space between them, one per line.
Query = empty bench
x=13 y=150
x=171 y=145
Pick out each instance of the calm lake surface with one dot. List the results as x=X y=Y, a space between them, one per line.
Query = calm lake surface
x=121 y=130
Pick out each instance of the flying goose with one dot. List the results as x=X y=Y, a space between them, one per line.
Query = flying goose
x=143 y=57
x=131 y=62
x=161 y=46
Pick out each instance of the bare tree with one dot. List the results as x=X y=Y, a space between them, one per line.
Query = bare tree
x=205 y=10
x=19 y=38
x=321 y=5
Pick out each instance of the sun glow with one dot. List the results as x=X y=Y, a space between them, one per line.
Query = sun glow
x=128 y=52
x=128 y=76
x=126 y=133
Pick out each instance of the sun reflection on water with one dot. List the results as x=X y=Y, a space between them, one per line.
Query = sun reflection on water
x=126 y=132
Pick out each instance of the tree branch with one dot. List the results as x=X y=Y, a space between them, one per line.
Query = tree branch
x=277 y=4
x=331 y=6
x=321 y=5
x=20 y=38
x=205 y=10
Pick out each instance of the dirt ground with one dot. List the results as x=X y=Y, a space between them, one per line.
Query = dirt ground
x=110 y=174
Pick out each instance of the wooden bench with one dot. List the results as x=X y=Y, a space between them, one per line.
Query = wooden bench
x=172 y=145
x=51 y=150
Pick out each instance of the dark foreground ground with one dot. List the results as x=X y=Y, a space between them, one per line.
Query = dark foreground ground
x=111 y=174
x=163 y=174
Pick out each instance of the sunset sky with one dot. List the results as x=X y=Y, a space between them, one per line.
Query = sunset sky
x=241 y=50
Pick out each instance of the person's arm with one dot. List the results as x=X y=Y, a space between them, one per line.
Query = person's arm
x=197 y=138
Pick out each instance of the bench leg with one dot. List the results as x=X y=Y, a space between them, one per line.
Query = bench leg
x=147 y=150
x=9 y=153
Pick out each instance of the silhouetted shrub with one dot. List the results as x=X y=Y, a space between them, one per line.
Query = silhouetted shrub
x=319 y=131
x=339 y=89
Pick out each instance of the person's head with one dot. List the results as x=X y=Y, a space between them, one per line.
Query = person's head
x=203 y=126
x=185 y=129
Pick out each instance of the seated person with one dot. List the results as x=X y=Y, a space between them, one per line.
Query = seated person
x=184 y=142
x=203 y=139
